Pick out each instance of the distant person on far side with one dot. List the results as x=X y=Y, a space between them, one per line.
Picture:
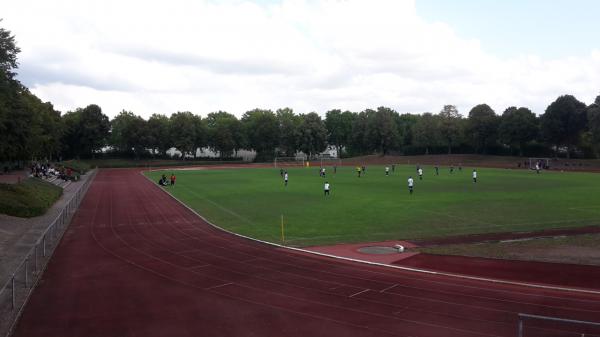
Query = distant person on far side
x=420 y=173
x=173 y=178
x=411 y=183
x=285 y=178
x=387 y=170
x=326 y=188
x=474 y=176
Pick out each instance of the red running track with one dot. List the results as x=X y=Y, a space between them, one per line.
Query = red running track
x=134 y=262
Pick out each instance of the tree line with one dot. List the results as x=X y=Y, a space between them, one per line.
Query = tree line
x=32 y=129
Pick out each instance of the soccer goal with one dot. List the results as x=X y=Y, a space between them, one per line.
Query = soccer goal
x=542 y=163
x=289 y=162
x=329 y=161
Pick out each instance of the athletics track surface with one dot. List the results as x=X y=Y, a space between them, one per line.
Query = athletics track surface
x=134 y=262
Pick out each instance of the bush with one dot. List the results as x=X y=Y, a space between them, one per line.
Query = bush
x=32 y=197
x=76 y=165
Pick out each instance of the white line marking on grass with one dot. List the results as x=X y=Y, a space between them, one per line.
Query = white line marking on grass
x=221 y=207
x=219 y=286
x=417 y=270
x=360 y=292
x=388 y=288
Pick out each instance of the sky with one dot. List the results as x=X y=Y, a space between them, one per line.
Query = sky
x=151 y=56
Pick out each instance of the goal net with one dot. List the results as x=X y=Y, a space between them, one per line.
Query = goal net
x=539 y=163
x=329 y=161
x=289 y=162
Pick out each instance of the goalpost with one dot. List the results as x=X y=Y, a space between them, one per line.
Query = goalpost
x=543 y=163
x=330 y=161
x=280 y=162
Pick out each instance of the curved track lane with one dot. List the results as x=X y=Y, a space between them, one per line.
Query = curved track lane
x=134 y=262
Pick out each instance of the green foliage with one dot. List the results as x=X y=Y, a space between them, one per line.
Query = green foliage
x=159 y=135
x=376 y=207
x=450 y=126
x=29 y=198
x=86 y=131
x=482 y=127
x=563 y=122
x=339 y=128
x=289 y=131
x=518 y=127
x=313 y=134
x=78 y=166
x=261 y=129
x=426 y=131
x=224 y=133
x=183 y=132
x=8 y=54
x=130 y=133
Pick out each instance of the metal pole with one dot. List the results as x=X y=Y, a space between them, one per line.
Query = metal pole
x=35 y=258
x=44 y=246
x=520 y=327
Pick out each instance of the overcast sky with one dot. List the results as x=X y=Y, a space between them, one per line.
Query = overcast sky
x=151 y=56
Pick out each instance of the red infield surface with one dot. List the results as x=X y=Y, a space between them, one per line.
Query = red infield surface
x=136 y=263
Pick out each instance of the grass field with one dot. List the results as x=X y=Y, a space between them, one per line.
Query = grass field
x=376 y=207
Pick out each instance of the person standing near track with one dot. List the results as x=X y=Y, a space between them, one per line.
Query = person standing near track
x=173 y=178
x=326 y=188
x=410 y=184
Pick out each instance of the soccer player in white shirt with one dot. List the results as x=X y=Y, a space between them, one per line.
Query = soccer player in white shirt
x=474 y=176
x=420 y=173
x=410 y=184
x=537 y=168
x=387 y=170
x=326 y=188
x=285 y=178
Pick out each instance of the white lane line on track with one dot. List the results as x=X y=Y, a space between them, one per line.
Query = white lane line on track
x=218 y=286
x=388 y=288
x=198 y=267
x=417 y=270
x=360 y=292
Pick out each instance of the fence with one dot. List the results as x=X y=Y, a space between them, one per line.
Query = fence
x=16 y=290
x=522 y=318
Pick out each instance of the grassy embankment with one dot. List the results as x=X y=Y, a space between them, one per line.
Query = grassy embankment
x=32 y=197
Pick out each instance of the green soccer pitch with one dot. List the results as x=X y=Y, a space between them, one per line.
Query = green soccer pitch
x=377 y=207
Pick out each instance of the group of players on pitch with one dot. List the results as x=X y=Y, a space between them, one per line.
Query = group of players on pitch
x=361 y=170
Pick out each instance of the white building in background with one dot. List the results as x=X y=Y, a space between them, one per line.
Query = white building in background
x=246 y=155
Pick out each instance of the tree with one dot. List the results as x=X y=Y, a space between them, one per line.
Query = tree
x=159 y=135
x=426 y=131
x=518 y=127
x=482 y=127
x=593 y=116
x=86 y=131
x=339 y=128
x=8 y=55
x=261 y=129
x=289 y=131
x=313 y=134
x=183 y=132
x=382 y=131
x=563 y=122
x=358 y=140
x=223 y=130
x=130 y=133
x=449 y=126
x=406 y=124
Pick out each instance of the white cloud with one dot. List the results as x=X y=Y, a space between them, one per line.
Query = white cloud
x=156 y=56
